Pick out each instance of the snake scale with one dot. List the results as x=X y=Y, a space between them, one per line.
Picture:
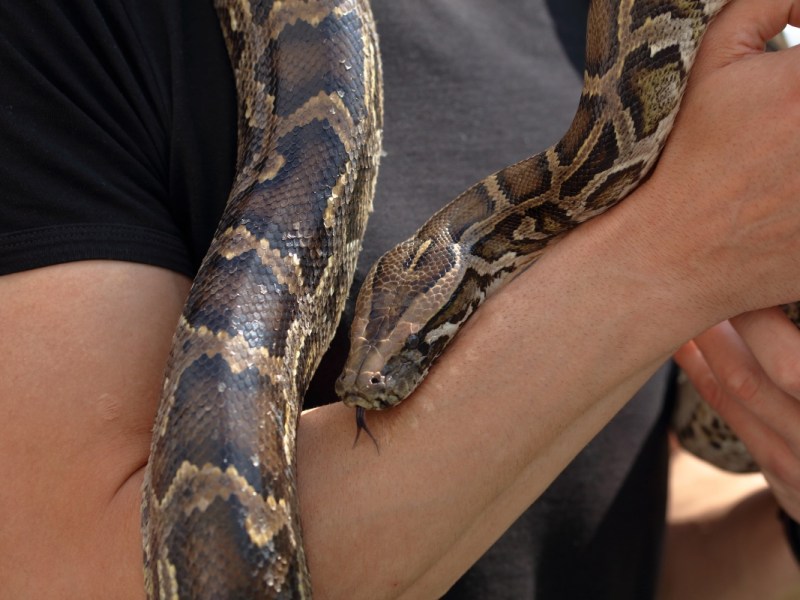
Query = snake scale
x=220 y=516
x=219 y=513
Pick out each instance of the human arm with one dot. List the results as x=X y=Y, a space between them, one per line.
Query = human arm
x=454 y=468
x=84 y=346
x=661 y=266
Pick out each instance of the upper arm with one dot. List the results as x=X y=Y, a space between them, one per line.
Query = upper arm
x=84 y=346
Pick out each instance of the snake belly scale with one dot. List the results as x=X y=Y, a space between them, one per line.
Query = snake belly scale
x=220 y=515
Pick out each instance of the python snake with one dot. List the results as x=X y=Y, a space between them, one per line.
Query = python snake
x=416 y=297
x=220 y=514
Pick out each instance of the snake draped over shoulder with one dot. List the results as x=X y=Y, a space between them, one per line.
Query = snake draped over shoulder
x=220 y=515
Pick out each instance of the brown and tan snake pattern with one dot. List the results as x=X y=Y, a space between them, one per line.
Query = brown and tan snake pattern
x=639 y=54
x=220 y=512
x=416 y=297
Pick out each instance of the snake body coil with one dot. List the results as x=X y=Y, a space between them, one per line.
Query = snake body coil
x=220 y=514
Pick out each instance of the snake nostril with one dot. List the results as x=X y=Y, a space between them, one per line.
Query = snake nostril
x=376 y=380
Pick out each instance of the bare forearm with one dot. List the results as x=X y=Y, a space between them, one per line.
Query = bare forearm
x=523 y=389
x=531 y=378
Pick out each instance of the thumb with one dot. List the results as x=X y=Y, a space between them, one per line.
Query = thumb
x=743 y=28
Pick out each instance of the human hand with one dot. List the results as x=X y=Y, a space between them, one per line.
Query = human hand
x=748 y=369
x=728 y=180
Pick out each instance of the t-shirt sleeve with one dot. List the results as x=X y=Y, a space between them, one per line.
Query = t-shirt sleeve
x=93 y=160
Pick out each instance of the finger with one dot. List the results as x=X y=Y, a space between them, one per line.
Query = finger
x=761 y=413
x=694 y=365
x=736 y=370
x=762 y=442
x=744 y=27
x=717 y=370
x=775 y=343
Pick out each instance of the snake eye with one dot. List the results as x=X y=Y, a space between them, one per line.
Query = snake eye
x=412 y=341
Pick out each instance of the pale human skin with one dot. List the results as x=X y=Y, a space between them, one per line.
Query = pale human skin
x=710 y=236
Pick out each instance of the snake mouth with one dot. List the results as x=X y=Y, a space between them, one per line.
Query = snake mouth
x=379 y=390
x=359 y=400
x=353 y=393
x=379 y=375
x=363 y=383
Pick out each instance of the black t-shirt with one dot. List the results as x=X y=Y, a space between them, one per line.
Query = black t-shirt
x=117 y=141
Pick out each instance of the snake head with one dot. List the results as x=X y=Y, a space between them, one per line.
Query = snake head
x=406 y=313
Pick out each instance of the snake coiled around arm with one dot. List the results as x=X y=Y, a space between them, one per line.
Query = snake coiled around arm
x=417 y=296
x=220 y=510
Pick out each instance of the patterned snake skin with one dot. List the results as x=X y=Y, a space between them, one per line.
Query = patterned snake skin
x=417 y=296
x=639 y=54
x=220 y=514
